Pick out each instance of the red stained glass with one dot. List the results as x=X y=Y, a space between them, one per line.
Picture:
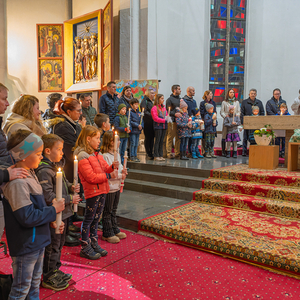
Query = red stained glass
x=240 y=30
x=242 y=4
x=222 y=24
x=219 y=92
x=242 y=16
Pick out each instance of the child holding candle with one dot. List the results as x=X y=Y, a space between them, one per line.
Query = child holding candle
x=210 y=123
x=122 y=127
x=27 y=217
x=94 y=173
x=53 y=277
x=136 y=128
x=196 y=133
x=184 y=126
x=111 y=232
x=232 y=122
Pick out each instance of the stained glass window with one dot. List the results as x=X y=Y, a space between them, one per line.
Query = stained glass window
x=237 y=48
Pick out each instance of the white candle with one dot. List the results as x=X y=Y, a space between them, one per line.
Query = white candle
x=58 y=198
x=142 y=115
x=124 y=168
x=128 y=124
x=75 y=206
x=116 y=142
x=169 y=110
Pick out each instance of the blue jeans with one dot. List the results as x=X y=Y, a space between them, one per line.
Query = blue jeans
x=194 y=145
x=27 y=271
x=134 y=142
x=123 y=146
x=183 y=144
x=93 y=211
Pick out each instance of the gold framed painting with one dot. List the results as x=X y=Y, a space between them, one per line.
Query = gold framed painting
x=51 y=75
x=82 y=40
x=50 y=40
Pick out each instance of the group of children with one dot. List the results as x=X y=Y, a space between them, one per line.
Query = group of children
x=31 y=207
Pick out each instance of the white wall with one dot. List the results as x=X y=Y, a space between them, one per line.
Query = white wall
x=178 y=44
x=273 y=48
x=80 y=7
x=22 y=17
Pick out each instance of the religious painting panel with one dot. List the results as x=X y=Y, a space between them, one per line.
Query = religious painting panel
x=106 y=65
x=50 y=40
x=138 y=87
x=107 y=25
x=50 y=75
x=83 y=52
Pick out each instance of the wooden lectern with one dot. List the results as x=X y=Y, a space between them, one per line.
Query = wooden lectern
x=287 y=123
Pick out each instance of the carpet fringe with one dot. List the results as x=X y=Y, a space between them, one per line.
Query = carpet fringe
x=156 y=237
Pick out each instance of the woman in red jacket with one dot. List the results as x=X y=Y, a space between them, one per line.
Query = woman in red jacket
x=94 y=173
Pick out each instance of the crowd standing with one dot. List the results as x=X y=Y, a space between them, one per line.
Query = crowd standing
x=32 y=151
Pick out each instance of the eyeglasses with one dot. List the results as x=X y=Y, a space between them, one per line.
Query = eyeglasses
x=78 y=110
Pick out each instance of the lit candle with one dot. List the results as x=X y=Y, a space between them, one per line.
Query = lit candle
x=75 y=206
x=124 y=168
x=116 y=142
x=58 y=198
x=281 y=113
x=112 y=128
x=169 y=110
x=142 y=115
x=128 y=124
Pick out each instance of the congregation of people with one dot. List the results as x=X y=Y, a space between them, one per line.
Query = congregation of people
x=33 y=146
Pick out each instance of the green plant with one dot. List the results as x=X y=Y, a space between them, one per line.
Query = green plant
x=267 y=131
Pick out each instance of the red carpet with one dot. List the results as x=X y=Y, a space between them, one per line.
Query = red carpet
x=143 y=268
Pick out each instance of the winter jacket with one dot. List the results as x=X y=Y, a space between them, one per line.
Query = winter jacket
x=46 y=174
x=5 y=156
x=27 y=216
x=147 y=104
x=208 y=123
x=273 y=106
x=173 y=102
x=158 y=116
x=191 y=102
x=196 y=131
x=120 y=124
x=94 y=173
x=15 y=122
x=48 y=114
x=202 y=109
x=114 y=183
x=231 y=128
x=225 y=108
x=296 y=106
x=135 y=118
x=109 y=105
x=89 y=113
x=246 y=108
x=125 y=101
x=182 y=128
x=69 y=131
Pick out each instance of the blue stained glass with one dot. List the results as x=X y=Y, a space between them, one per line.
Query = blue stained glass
x=212 y=78
x=220 y=79
x=223 y=11
x=233 y=51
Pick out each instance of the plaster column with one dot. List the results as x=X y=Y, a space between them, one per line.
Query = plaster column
x=134 y=39
x=3 y=45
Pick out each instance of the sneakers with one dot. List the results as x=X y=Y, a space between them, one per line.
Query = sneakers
x=98 y=249
x=88 y=252
x=64 y=276
x=112 y=239
x=55 y=282
x=212 y=154
x=162 y=159
x=208 y=155
x=121 y=235
x=194 y=155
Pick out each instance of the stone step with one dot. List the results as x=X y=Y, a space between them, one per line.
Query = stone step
x=160 y=189
x=166 y=178
x=165 y=167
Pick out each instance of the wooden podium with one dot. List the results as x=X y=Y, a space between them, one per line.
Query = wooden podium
x=287 y=123
x=263 y=157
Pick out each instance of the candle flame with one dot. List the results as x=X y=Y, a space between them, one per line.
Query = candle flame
x=75 y=157
x=59 y=170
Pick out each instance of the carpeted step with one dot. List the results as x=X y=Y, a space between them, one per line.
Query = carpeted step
x=249 y=203
x=271 y=191
x=242 y=172
x=260 y=239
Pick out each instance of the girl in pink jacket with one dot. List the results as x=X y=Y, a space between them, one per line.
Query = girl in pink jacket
x=160 y=120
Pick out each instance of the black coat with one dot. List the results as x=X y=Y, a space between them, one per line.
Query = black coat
x=147 y=104
x=69 y=132
x=246 y=108
x=273 y=106
x=173 y=102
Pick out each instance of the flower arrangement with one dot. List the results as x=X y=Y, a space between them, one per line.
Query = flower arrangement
x=264 y=135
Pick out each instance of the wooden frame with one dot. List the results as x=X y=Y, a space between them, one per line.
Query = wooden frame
x=70 y=85
x=107 y=45
x=50 y=53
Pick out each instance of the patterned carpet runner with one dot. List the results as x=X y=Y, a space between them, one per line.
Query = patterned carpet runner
x=248 y=214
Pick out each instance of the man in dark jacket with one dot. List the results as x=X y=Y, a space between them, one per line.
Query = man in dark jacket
x=7 y=171
x=51 y=101
x=246 y=110
x=109 y=102
x=192 y=104
x=273 y=105
x=87 y=110
x=172 y=102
